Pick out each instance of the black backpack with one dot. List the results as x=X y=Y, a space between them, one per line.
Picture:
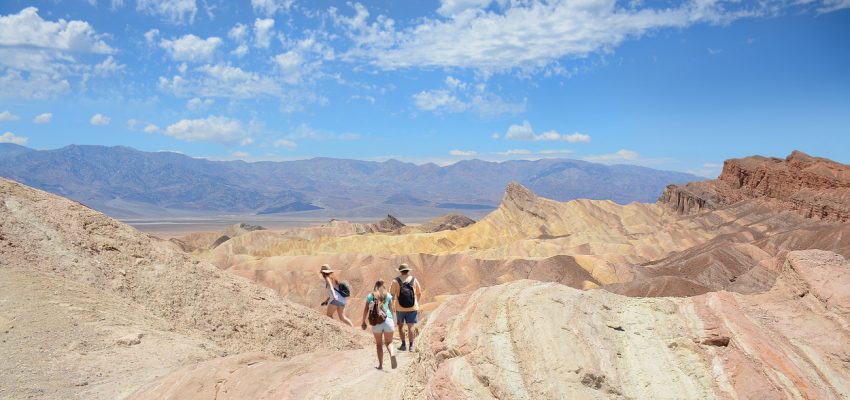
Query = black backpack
x=406 y=294
x=343 y=289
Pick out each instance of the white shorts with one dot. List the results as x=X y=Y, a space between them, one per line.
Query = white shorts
x=386 y=327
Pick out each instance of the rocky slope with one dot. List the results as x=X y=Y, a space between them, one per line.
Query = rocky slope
x=814 y=187
x=502 y=342
x=71 y=265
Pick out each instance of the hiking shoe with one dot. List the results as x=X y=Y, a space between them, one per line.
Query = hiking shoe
x=411 y=347
x=403 y=347
x=393 y=361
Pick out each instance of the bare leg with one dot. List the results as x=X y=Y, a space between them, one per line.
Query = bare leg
x=388 y=342
x=400 y=329
x=411 y=334
x=331 y=309
x=342 y=317
x=379 y=346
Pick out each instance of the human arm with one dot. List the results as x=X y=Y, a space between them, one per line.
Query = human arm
x=365 y=312
x=418 y=290
x=330 y=284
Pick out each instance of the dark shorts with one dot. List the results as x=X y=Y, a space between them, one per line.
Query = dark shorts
x=408 y=317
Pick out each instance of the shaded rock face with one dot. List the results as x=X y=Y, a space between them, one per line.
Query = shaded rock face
x=386 y=225
x=814 y=187
x=446 y=222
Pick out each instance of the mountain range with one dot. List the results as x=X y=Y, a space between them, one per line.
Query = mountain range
x=123 y=181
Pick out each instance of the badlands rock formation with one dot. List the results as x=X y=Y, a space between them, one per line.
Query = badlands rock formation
x=533 y=340
x=815 y=187
x=92 y=308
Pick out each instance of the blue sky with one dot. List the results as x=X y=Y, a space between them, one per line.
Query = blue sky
x=671 y=85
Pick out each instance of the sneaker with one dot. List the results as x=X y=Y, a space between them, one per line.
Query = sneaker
x=411 y=347
x=403 y=347
x=393 y=361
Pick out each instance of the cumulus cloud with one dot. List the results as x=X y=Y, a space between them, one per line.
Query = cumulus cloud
x=215 y=129
x=27 y=30
x=191 y=48
x=108 y=67
x=527 y=35
x=283 y=143
x=8 y=116
x=151 y=36
x=526 y=132
x=151 y=128
x=10 y=137
x=463 y=153
x=458 y=96
x=439 y=101
x=618 y=156
x=39 y=55
x=270 y=7
x=174 y=11
x=263 y=32
x=196 y=104
x=99 y=120
x=238 y=33
x=43 y=118
x=221 y=81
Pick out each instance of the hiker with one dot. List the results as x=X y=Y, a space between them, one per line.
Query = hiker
x=406 y=291
x=379 y=310
x=337 y=292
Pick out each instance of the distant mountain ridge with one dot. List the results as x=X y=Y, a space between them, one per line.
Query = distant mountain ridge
x=127 y=182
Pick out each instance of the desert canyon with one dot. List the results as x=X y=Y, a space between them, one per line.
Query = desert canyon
x=732 y=288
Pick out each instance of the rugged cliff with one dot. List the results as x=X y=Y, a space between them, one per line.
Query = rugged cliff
x=814 y=187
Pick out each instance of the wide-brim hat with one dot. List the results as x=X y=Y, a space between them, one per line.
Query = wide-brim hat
x=403 y=268
x=326 y=269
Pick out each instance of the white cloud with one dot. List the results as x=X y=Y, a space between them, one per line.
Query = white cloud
x=196 y=104
x=495 y=135
x=238 y=33
x=222 y=81
x=191 y=48
x=175 y=11
x=150 y=36
x=39 y=55
x=515 y=152
x=215 y=129
x=99 y=119
x=287 y=144
x=133 y=123
x=26 y=30
x=554 y=152
x=8 y=116
x=618 y=156
x=452 y=7
x=32 y=86
x=240 y=51
x=151 y=128
x=438 y=101
x=10 y=137
x=43 y=118
x=525 y=35
x=829 y=6
x=463 y=153
x=526 y=132
x=458 y=96
x=305 y=131
x=108 y=67
x=263 y=32
x=270 y=7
